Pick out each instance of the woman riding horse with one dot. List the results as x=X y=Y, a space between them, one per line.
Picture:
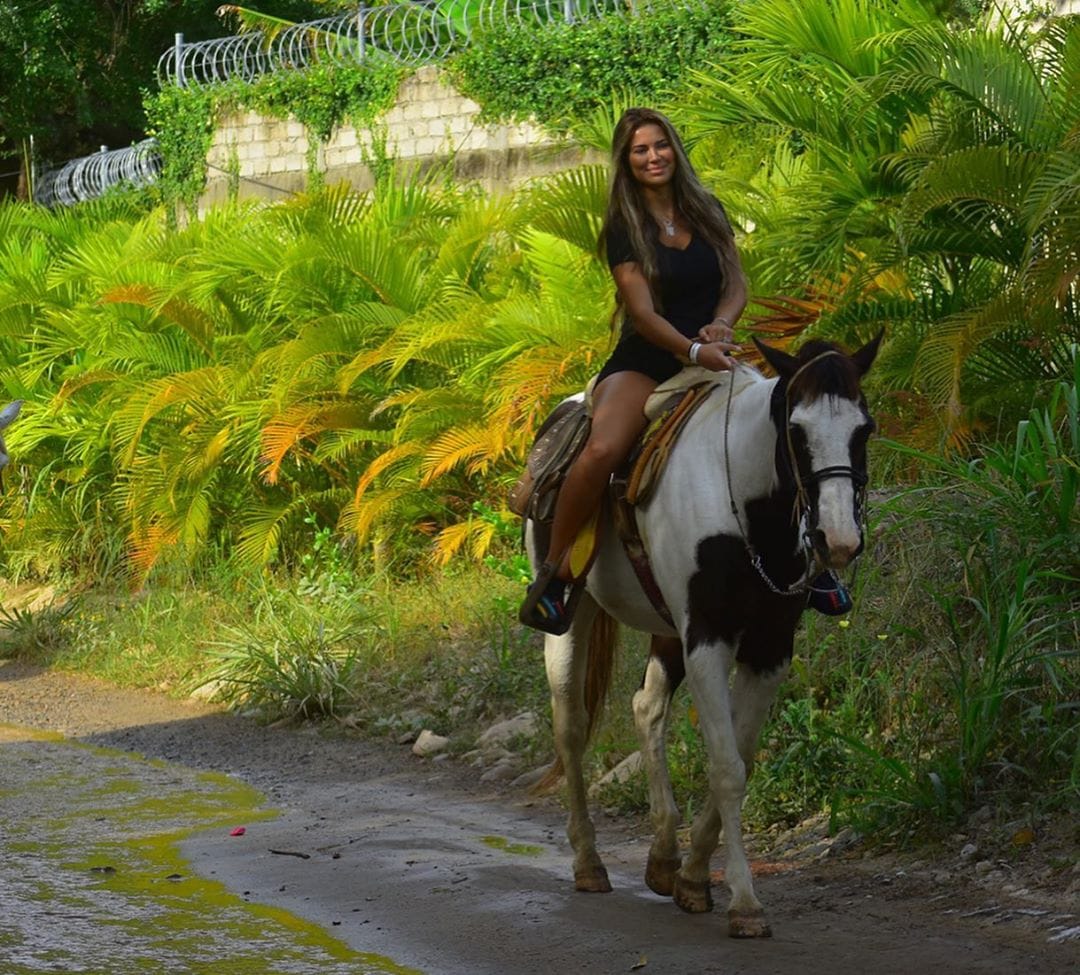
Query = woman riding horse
x=681 y=288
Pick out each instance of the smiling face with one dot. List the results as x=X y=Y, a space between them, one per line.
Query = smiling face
x=651 y=156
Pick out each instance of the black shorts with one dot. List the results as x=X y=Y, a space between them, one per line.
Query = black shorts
x=636 y=354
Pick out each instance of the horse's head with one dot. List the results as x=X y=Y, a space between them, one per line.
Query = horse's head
x=823 y=426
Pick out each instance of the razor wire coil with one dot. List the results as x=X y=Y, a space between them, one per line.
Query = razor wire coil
x=408 y=33
x=88 y=177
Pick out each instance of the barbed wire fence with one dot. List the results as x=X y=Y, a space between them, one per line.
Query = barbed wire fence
x=89 y=177
x=410 y=33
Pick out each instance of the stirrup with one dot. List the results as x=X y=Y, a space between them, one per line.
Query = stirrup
x=828 y=595
x=550 y=602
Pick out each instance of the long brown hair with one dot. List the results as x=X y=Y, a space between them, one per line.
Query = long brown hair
x=626 y=205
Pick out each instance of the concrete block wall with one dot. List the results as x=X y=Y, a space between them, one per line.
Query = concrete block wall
x=430 y=124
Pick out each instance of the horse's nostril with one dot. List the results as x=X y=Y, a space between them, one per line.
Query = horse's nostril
x=836 y=554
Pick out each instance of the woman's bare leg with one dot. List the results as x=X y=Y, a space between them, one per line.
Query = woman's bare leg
x=618 y=418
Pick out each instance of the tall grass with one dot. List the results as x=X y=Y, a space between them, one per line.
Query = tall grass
x=995 y=640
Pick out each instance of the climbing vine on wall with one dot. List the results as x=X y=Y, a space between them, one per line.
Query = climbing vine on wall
x=182 y=121
x=322 y=98
x=557 y=72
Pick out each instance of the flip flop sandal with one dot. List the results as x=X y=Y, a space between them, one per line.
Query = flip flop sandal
x=548 y=605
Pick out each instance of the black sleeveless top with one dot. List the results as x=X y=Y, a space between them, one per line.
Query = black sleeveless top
x=690 y=283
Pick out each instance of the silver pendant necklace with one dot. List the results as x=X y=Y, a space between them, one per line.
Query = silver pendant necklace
x=669 y=225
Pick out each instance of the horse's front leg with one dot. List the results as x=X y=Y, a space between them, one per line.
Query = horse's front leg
x=652 y=709
x=708 y=668
x=566 y=661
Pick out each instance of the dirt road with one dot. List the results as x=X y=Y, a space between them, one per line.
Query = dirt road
x=385 y=862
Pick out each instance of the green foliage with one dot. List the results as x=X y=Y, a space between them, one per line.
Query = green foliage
x=350 y=380
x=913 y=172
x=183 y=122
x=322 y=97
x=37 y=635
x=1001 y=658
x=327 y=573
x=556 y=72
x=290 y=662
x=326 y=95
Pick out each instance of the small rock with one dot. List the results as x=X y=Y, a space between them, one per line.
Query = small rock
x=502 y=732
x=501 y=772
x=428 y=743
x=634 y=762
x=969 y=851
x=208 y=691
x=528 y=779
x=406 y=738
x=845 y=838
x=983 y=867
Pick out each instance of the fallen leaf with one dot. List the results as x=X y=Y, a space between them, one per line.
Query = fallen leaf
x=1023 y=837
x=641 y=963
x=239 y=831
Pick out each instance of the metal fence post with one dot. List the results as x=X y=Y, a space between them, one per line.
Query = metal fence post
x=568 y=11
x=361 y=49
x=31 y=171
x=178 y=47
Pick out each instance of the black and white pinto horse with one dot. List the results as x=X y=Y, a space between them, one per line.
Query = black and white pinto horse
x=763 y=488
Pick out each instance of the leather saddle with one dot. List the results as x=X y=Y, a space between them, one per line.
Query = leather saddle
x=557 y=445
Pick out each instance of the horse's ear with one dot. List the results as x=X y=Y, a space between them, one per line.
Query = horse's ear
x=784 y=364
x=864 y=358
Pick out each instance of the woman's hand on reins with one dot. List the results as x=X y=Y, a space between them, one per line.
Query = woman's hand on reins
x=717 y=356
x=718 y=330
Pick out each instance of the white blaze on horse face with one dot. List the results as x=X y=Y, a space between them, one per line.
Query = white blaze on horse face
x=829 y=425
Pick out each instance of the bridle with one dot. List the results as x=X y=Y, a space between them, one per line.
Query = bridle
x=800 y=513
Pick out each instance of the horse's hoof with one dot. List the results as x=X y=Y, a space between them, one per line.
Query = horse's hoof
x=592 y=881
x=693 y=896
x=748 y=924
x=660 y=874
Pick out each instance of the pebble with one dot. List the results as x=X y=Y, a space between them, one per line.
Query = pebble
x=429 y=743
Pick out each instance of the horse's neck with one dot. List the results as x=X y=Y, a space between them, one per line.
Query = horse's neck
x=733 y=435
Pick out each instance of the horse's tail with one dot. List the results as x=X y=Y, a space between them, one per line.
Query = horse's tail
x=601 y=664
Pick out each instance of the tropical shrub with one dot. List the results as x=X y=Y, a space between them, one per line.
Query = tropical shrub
x=917 y=173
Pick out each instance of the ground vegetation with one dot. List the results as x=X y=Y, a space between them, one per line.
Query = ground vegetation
x=271 y=448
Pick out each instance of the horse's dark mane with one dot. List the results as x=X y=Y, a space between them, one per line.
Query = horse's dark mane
x=832 y=375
